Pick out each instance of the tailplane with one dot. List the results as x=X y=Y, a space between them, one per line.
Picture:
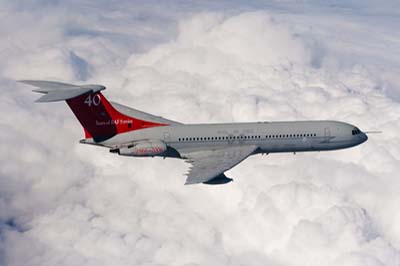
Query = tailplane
x=98 y=117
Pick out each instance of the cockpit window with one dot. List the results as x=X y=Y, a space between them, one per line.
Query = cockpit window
x=355 y=131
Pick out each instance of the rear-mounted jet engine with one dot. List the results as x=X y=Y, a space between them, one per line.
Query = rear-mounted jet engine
x=143 y=148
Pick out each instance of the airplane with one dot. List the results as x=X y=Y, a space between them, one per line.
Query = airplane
x=211 y=149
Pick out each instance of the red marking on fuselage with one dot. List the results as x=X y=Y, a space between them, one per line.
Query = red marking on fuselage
x=123 y=122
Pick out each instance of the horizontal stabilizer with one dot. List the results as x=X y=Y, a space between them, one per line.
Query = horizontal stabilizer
x=62 y=95
x=57 y=91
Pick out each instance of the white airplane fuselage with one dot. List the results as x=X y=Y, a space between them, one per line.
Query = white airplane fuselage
x=270 y=137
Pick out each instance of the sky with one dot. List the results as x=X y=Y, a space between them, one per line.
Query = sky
x=64 y=203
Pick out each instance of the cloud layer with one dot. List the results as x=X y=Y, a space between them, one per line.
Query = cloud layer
x=62 y=203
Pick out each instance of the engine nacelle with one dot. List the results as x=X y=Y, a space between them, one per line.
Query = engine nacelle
x=219 y=180
x=144 y=148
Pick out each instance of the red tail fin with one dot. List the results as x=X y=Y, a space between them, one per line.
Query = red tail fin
x=101 y=120
x=98 y=117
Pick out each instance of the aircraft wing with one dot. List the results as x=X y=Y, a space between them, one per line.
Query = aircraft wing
x=208 y=166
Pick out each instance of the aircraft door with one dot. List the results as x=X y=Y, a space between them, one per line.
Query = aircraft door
x=167 y=136
x=327 y=132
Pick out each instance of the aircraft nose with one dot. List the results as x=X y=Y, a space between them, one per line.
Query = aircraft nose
x=363 y=137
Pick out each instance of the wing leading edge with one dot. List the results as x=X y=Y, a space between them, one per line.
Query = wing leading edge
x=208 y=166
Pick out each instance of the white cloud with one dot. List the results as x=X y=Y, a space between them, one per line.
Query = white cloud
x=69 y=204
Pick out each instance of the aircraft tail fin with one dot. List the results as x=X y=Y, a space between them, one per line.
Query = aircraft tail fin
x=98 y=117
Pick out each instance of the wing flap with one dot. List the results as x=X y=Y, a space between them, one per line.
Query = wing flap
x=209 y=164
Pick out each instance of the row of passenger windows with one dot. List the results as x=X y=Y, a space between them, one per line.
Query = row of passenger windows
x=249 y=137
